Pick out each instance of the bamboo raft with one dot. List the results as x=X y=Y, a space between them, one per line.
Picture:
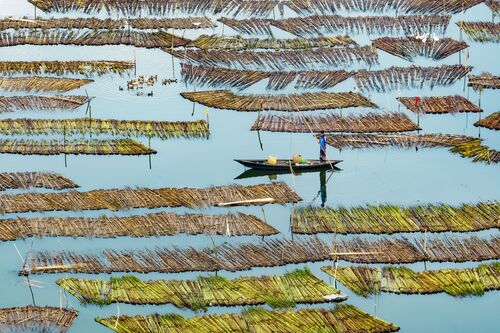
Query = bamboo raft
x=117 y=199
x=409 y=47
x=39 y=83
x=36 y=319
x=26 y=180
x=242 y=79
x=279 y=60
x=491 y=122
x=238 y=43
x=394 y=78
x=481 y=31
x=202 y=22
x=484 y=81
x=438 y=105
x=270 y=253
x=92 y=38
x=88 y=68
x=74 y=147
x=370 y=122
x=149 y=225
x=342 y=318
x=364 y=280
x=160 y=129
x=226 y=99
x=23 y=103
x=463 y=145
x=370 y=25
x=278 y=291
x=390 y=219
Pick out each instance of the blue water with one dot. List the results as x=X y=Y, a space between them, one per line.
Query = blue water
x=367 y=177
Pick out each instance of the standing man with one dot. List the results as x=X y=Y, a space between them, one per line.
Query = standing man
x=322 y=147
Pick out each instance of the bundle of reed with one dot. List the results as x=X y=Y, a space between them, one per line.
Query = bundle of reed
x=74 y=147
x=92 y=38
x=389 y=219
x=241 y=79
x=439 y=105
x=279 y=60
x=160 y=129
x=370 y=122
x=438 y=6
x=160 y=7
x=278 y=291
x=36 y=319
x=475 y=150
x=250 y=26
x=321 y=24
x=23 y=103
x=491 y=122
x=342 y=318
x=26 y=180
x=270 y=253
x=481 y=31
x=226 y=99
x=64 y=67
x=202 y=22
x=238 y=43
x=465 y=146
x=61 y=23
x=364 y=280
x=494 y=5
x=308 y=7
x=116 y=199
x=410 y=47
x=484 y=81
x=39 y=83
x=394 y=78
x=149 y=225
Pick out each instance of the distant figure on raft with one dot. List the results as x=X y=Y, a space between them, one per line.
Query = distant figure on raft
x=322 y=147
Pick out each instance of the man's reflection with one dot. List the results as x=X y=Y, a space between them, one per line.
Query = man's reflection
x=322 y=188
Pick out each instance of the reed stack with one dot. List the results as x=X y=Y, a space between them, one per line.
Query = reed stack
x=390 y=219
x=484 y=81
x=491 y=122
x=364 y=280
x=481 y=31
x=27 y=180
x=39 y=83
x=201 y=22
x=494 y=5
x=438 y=105
x=410 y=47
x=278 y=291
x=50 y=103
x=61 y=23
x=36 y=319
x=88 y=68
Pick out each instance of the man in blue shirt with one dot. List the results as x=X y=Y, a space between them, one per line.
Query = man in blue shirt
x=322 y=147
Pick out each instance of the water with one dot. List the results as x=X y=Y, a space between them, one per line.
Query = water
x=368 y=176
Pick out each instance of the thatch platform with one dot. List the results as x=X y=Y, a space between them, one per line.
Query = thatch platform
x=278 y=291
x=74 y=147
x=390 y=219
x=202 y=22
x=439 y=105
x=370 y=122
x=116 y=199
x=340 y=319
x=394 y=78
x=25 y=103
x=270 y=253
x=364 y=280
x=481 y=31
x=36 y=319
x=370 y=25
x=226 y=99
x=149 y=225
x=88 y=68
x=464 y=145
x=279 y=60
x=410 y=47
x=491 y=122
x=484 y=81
x=26 y=180
x=160 y=129
x=241 y=79
x=39 y=83
x=92 y=38
x=238 y=43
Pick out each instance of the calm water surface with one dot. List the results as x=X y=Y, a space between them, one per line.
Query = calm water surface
x=367 y=176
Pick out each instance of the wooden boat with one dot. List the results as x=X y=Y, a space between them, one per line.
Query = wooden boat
x=284 y=165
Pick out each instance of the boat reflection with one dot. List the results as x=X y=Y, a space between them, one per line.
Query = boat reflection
x=273 y=174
